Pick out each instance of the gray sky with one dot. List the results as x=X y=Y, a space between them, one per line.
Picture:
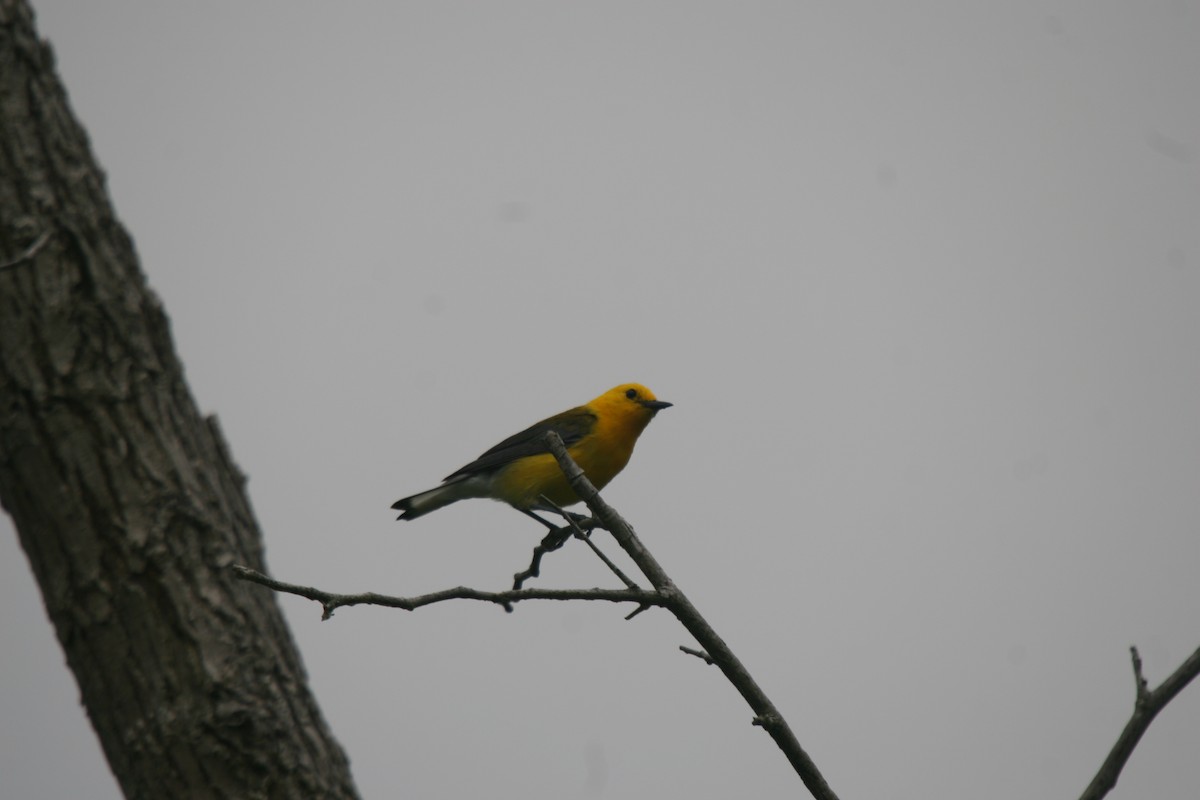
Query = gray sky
x=922 y=280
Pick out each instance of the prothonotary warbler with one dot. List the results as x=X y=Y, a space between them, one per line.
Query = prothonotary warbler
x=521 y=470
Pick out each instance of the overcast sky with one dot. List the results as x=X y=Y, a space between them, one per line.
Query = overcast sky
x=922 y=279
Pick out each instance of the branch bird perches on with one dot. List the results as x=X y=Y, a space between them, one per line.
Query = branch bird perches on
x=664 y=594
x=713 y=650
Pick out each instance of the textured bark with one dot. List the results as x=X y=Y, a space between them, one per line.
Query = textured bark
x=125 y=499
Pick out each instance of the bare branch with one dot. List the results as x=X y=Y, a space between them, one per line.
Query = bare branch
x=715 y=651
x=331 y=601
x=1146 y=706
x=608 y=562
x=766 y=714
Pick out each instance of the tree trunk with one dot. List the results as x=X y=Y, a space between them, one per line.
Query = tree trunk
x=125 y=499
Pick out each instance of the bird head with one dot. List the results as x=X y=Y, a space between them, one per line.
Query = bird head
x=632 y=400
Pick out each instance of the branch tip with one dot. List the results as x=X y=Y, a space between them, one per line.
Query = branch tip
x=636 y=611
x=1142 y=686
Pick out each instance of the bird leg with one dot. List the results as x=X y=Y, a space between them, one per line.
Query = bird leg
x=545 y=522
x=579 y=526
x=570 y=517
x=582 y=523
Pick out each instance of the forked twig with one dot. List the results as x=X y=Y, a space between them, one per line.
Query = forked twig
x=553 y=540
x=1146 y=705
x=586 y=536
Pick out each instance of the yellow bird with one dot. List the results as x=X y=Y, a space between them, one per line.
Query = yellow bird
x=521 y=470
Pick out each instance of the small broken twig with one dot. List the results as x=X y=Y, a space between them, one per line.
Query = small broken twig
x=700 y=654
x=552 y=541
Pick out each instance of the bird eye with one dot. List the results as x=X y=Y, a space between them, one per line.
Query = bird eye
x=631 y=393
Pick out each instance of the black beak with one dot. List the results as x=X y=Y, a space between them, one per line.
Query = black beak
x=657 y=405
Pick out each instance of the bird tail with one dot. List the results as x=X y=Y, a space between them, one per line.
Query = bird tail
x=418 y=505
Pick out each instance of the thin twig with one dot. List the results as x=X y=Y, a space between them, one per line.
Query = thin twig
x=580 y=533
x=636 y=611
x=625 y=579
x=1146 y=706
x=553 y=540
x=766 y=714
x=30 y=251
x=700 y=654
x=331 y=601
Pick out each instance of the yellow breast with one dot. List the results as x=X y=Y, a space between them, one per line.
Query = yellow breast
x=601 y=455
